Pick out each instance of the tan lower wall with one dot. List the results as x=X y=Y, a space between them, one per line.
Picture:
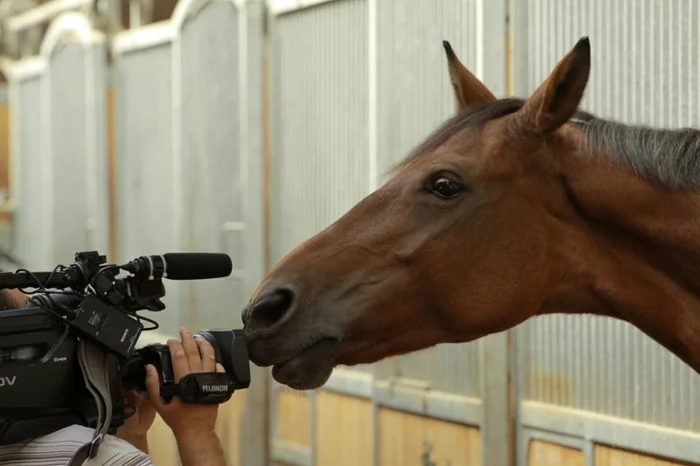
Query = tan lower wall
x=343 y=430
x=293 y=417
x=405 y=439
x=344 y=434
x=229 y=426
x=609 y=456
x=161 y=444
x=549 y=454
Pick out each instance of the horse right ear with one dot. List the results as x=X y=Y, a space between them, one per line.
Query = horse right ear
x=558 y=97
x=467 y=87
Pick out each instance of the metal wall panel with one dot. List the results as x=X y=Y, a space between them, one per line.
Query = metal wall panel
x=189 y=155
x=184 y=165
x=644 y=70
x=319 y=166
x=31 y=219
x=143 y=101
x=146 y=220
x=67 y=151
x=414 y=97
x=357 y=84
x=210 y=135
x=59 y=146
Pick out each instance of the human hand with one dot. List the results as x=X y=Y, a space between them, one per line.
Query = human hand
x=135 y=427
x=188 y=356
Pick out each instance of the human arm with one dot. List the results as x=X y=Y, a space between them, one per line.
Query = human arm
x=193 y=425
x=200 y=448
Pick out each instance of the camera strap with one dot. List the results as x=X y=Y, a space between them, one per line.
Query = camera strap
x=94 y=364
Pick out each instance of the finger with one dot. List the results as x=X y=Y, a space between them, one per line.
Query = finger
x=153 y=385
x=208 y=357
x=191 y=350
x=220 y=368
x=179 y=359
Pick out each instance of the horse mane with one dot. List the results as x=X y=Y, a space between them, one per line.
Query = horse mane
x=670 y=156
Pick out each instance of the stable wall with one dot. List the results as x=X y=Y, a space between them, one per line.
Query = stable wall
x=354 y=84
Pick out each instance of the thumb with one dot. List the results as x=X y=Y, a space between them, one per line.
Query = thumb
x=153 y=384
x=220 y=368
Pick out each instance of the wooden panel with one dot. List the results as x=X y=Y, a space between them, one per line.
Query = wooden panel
x=608 y=456
x=293 y=417
x=343 y=430
x=412 y=440
x=229 y=426
x=550 y=454
x=162 y=447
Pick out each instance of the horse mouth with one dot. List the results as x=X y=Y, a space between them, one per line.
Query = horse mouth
x=308 y=369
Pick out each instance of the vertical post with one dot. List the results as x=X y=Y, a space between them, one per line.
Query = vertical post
x=497 y=438
x=256 y=85
x=372 y=92
x=372 y=55
x=134 y=14
x=516 y=84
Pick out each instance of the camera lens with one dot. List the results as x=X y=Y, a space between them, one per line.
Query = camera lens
x=232 y=352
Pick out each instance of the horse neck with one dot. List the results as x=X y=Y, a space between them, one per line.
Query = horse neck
x=631 y=250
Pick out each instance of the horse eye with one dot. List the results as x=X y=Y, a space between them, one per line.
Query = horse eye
x=446 y=188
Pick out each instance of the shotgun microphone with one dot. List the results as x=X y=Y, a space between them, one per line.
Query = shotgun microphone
x=181 y=266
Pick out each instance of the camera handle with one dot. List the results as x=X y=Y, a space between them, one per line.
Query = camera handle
x=93 y=363
x=203 y=388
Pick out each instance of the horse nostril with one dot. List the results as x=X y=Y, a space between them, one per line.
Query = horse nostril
x=271 y=308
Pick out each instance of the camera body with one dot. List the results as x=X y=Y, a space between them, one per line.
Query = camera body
x=41 y=384
x=42 y=388
x=201 y=389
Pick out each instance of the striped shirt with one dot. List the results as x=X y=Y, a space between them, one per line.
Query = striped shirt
x=57 y=448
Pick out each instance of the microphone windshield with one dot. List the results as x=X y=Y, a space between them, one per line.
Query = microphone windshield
x=196 y=265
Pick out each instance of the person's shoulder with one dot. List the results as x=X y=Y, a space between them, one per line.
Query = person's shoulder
x=58 y=448
x=118 y=452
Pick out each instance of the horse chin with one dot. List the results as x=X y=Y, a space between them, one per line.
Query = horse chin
x=309 y=369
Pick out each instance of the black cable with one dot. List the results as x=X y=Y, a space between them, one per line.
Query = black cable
x=42 y=287
x=146 y=329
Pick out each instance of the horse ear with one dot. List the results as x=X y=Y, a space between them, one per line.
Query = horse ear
x=467 y=87
x=558 y=97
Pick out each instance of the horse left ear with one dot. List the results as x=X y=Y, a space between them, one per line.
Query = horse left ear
x=558 y=97
x=468 y=89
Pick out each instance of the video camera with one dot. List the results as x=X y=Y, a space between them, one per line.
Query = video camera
x=42 y=388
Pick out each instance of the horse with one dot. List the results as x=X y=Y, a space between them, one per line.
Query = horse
x=512 y=208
